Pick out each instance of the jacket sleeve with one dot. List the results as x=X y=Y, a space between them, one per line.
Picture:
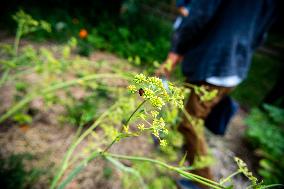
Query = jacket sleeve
x=201 y=13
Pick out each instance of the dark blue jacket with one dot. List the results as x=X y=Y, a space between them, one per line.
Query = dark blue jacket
x=182 y=3
x=219 y=36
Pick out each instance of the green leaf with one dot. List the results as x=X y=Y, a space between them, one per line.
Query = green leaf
x=181 y=163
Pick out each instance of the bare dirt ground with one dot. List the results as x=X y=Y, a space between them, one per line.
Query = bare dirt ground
x=47 y=141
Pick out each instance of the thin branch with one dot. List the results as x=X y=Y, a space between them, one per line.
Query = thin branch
x=126 y=124
x=188 y=175
x=229 y=177
x=50 y=89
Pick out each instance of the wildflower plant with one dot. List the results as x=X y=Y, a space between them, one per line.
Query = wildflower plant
x=152 y=90
x=153 y=97
x=27 y=24
x=147 y=116
x=244 y=169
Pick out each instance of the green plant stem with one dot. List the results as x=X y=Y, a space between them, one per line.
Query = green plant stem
x=78 y=81
x=50 y=89
x=17 y=39
x=127 y=169
x=78 y=133
x=185 y=174
x=110 y=145
x=229 y=177
x=138 y=107
x=104 y=153
x=271 y=186
x=126 y=124
x=199 y=177
x=77 y=170
x=188 y=175
x=70 y=151
x=17 y=107
x=186 y=168
x=4 y=76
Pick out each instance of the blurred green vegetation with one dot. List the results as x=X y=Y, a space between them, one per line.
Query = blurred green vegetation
x=266 y=135
x=14 y=175
x=149 y=40
x=144 y=39
x=262 y=76
x=130 y=33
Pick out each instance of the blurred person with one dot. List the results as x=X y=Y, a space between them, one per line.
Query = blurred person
x=183 y=10
x=215 y=44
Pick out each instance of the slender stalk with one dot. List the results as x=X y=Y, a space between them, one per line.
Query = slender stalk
x=17 y=39
x=17 y=107
x=75 y=144
x=78 y=133
x=187 y=175
x=78 y=169
x=186 y=168
x=78 y=81
x=4 y=76
x=104 y=153
x=110 y=145
x=138 y=107
x=130 y=170
x=126 y=124
x=50 y=89
x=271 y=186
x=199 y=178
x=78 y=141
x=191 y=176
x=229 y=177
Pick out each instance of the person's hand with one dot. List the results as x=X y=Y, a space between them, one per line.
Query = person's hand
x=168 y=66
x=183 y=11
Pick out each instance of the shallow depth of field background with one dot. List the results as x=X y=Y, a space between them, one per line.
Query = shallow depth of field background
x=131 y=36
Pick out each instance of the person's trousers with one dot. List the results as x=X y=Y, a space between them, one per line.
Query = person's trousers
x=194 y=140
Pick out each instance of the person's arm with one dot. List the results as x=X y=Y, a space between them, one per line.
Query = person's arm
x=168 y=66
x=202 y=12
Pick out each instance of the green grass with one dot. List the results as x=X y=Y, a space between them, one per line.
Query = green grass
x=261 y=78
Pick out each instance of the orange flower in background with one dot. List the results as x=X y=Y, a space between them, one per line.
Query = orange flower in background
x=83 y=33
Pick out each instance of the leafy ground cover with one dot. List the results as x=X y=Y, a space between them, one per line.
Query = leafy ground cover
x=262 y=76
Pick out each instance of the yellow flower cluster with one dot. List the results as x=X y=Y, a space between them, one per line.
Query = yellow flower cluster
x=152 y=90
x=155 y=92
